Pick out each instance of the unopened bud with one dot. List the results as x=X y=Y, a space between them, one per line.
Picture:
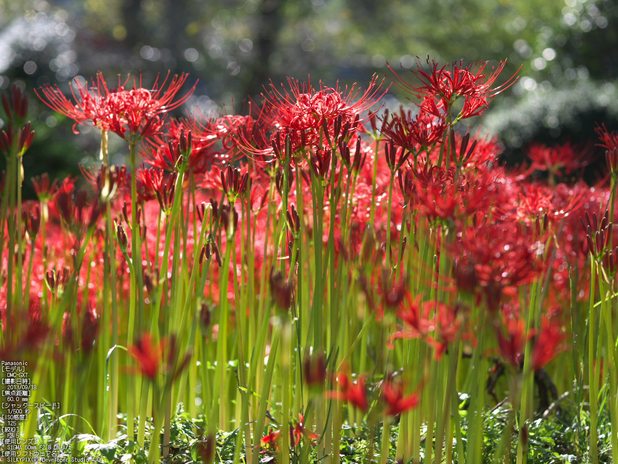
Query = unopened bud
x=50 y=277
x=121 y=236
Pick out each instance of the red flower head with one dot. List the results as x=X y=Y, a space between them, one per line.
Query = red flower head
x=555 y=159
x=148 y=356
x=75 y=211
x=309 y=116
x=155 y=359
x=440 y=87
x=154 y=183
x=396 y=402
x=106 y=180
x=416 y=316
x=299 y=431
x=547 y=344
x=609 y=141
x=353 y=393
x=412 y=134
x=271 y=439
x=498 y=258
x=513 y=344
x=165 y=152
x=132 y=114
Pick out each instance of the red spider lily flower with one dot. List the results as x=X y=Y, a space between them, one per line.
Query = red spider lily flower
x=152 y=359
x=165 y=152
x=212 y=179
x=512 y=345
x=393 y=293
x=231 y=130
x=153 y=183
x=437 y=194
x=271 y=439
x=359 y=156
x=548 y=343
x=88 y=105
x=31 y=216
x=234 y=183
x=16 y=107
x=73 y=209
x=609 y=141
x=598 y=234
x=412 y=134
x=121 y=236
x=353 y=393
x=305 y=113
x=61 y=277
x=437 y=200
x=537 y=200
x=258 y=197
x=106 y=181
x=447 y=324
x=45 y=190
x=132 y=114
x=25 y=135
x=148 y=356
x=320 y=164
x=502 y=259
x=416 y=317
x=298 y=432
x=146 y=180
x=442 y=86
x=396 y=402
x=395 y=157
x=555 y=159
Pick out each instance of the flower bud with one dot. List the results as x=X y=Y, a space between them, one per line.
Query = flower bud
x=121 y=236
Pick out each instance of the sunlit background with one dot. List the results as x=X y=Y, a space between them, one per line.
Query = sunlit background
x=567 y=51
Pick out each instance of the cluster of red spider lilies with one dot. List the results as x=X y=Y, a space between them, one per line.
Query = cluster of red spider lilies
x=254 y=266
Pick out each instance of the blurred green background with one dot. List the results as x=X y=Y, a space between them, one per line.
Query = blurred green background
x=567 y=51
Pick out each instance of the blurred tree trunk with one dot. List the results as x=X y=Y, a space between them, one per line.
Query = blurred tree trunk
x=132 y=19
x=177 y=19
x=269 y=19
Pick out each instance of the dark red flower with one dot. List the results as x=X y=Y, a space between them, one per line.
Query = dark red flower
x=314 y=369
x=154 y=183
x=282 y=291
x=15 y=107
